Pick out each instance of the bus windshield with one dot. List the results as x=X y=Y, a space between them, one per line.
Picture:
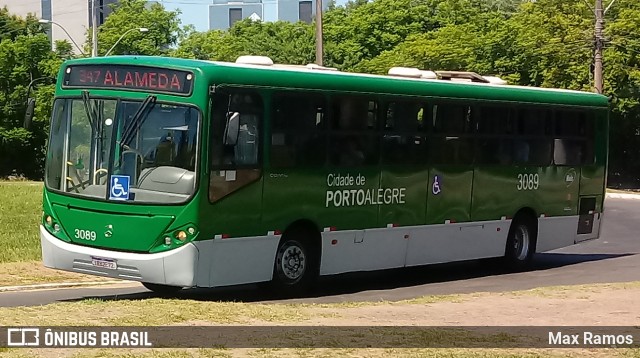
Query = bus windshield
x=123 y=150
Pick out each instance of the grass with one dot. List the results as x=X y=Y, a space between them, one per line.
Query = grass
x=320 y=352
x=20 y=253
x=150 y=312
x=183 y=312
x=20 y=214
x=564 y=291
x=299 y=353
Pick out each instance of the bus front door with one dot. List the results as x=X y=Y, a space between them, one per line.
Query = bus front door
x=446 y=235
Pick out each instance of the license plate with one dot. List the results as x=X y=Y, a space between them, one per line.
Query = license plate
x=104 y=263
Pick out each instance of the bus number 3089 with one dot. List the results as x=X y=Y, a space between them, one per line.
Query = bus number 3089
x=85 y=235
x=528 y=181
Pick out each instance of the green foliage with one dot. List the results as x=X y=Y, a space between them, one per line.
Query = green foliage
x=164 y=29
x=622 y=84
x=284 y=42
x=363 y=30
x=25 y=57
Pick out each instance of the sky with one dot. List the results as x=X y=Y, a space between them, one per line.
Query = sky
x=196 y=12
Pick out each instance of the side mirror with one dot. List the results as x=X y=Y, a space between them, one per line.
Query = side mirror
x=28 y=116
x=232 y=128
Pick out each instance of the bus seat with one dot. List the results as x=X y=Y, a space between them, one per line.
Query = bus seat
x=164 y=151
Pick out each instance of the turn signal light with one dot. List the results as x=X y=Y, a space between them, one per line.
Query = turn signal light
x=181 y=235
x=48 y=220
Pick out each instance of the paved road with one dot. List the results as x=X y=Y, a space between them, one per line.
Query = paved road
x=612 y=258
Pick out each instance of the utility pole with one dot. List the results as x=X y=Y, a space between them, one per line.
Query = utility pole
x=319 y=32
x=599 y=44
x=94 y=30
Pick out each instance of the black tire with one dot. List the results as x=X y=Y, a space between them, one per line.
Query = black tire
x=521 y=243
x=295 y=266
x=162 y=289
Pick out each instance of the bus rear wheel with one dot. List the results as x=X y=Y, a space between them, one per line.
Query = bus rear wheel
x=162 y=289
x=293 y=270
x=521 y=243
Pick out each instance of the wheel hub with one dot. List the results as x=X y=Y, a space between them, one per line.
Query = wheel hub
x=293 y=262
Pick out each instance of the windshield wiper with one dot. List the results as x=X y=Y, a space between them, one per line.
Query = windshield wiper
x=137 y=120
x=90 y=110
x=94 y=117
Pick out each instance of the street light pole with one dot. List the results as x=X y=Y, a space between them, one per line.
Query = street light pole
x=599 y=41
x=598 y=78
x=319 y=50
x=141 y=29
x=94 y=30
x=45 y=21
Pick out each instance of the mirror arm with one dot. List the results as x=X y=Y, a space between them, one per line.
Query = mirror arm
x=31 y=103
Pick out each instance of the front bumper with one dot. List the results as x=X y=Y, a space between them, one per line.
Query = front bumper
x=175 y=268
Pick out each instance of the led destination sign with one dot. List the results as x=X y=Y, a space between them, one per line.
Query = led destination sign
x=139 y=78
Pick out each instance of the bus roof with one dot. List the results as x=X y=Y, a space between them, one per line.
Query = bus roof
x=310 y=77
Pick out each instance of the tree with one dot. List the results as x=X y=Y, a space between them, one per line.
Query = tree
x=362 y=30
x=164 y=29
x=25 y=57
x=283 y=42
x=622 y=84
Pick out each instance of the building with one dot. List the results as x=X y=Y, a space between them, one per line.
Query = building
x=224 y=13
x=72 y=15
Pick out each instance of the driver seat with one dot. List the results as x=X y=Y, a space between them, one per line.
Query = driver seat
x=164 y=151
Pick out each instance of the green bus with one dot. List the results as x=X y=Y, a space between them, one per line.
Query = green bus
x=184 y=173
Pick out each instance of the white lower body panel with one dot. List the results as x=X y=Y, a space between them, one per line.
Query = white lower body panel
x=223 y=262
x=176 y=267
x=237 y=261
x=375 y=249
x=556 y=232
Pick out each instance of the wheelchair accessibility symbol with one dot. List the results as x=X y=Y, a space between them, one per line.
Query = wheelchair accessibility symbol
x=119 y=187
x=436 y=185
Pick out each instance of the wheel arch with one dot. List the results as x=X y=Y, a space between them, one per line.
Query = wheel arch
x=313 y=238
x=526 y=213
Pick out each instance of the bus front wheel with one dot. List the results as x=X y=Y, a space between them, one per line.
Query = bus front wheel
x=162 y=289
x=521 y=243
x=293 y=270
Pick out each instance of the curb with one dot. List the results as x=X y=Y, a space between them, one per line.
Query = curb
x=57 y=285
x=623 y=196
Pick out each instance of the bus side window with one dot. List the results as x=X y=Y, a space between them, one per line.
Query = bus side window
x=495 y=128
x=403 y=138
x=451 y=142
x=571 y=138
x=532 y=145
x=354 y=140
x=236 y=165
x=298 y=135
